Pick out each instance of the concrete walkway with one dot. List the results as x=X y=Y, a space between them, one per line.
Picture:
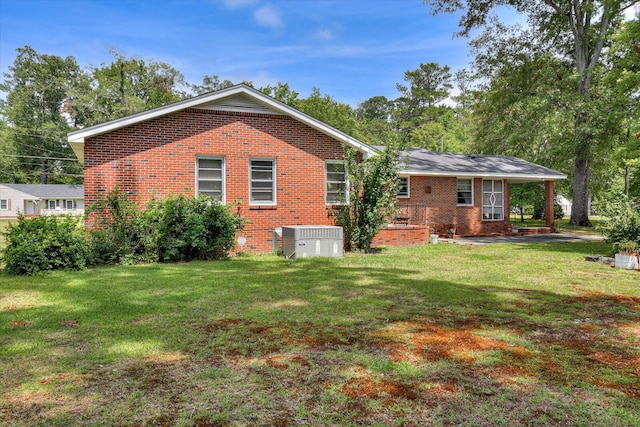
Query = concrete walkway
x=533 y=238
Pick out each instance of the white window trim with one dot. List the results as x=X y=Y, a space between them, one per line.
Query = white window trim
x=6 y=204
x=472 y=195
x=274 y=186
x=326 y=183
x=223 y=166
x=66 y=205
x=493 y=206
x=408 y=195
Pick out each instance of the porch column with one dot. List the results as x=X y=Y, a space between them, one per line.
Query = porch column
x=549 y=202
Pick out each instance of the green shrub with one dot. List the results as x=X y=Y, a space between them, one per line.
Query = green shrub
x=622 y=223
x=189 y=228
x=177 y=228
x=45 y=243
x=121 y=233
x=626 y=247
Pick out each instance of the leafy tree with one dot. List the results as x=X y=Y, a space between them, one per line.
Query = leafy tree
x=624 y=77
x=124 y=87
x=374 y=118
x=578 y=30
x=371 y=198
x=35 y=111
x=325 y=108
x=282 y=92
x=210 y=84
x=427 y=86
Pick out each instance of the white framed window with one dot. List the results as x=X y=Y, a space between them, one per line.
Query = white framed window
x=465 y=192
x=51 y=204
x=492 y=200
x=4 y=204
x=69 y=205
x=262 y=181
x=336 y=182
x=210 y=174
x=402 y=187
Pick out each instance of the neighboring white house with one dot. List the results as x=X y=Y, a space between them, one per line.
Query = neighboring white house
x=565 y=204
x=40 y=199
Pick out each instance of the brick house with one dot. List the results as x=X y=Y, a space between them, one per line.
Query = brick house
x=276 y=165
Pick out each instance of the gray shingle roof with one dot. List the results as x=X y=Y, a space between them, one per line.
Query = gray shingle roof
x=419 y=161
x=50 y=191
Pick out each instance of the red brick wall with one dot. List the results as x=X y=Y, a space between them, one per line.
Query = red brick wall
x=440 y=196
x=158 y=156
x=400 y=235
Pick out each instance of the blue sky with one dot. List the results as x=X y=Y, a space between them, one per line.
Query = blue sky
x=350 y=49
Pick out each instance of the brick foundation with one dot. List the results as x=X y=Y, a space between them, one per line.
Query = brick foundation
x=401 y=235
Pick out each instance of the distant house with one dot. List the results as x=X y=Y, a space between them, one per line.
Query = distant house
x=280 y=167
x=565 y=204
x=40 y=199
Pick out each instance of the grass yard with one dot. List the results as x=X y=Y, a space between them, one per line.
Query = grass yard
x=510 y=334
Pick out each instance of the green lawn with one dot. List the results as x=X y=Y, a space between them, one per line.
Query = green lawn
x=519 y=334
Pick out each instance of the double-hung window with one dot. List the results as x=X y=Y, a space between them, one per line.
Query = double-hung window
x=336 y=182
x=68 y=205
x=262 y=181
x=51 y=204
x=210 y=177
x=4 y=204
x=465 y=192
x=402 y=187
x=492 y=200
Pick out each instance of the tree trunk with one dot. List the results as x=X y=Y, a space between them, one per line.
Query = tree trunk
x=580 y=208
x=583 y=138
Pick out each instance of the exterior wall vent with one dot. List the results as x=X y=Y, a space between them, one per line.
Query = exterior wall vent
x=306 y=241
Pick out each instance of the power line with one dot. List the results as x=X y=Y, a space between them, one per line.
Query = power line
x=38 y=157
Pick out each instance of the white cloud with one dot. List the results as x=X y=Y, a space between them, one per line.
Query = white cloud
x=323 y=35
x=268 y=16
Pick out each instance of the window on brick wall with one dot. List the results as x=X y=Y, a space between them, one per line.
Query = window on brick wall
x=262 y=181
x=402 y=187
x=210 y=177
x=4 y=204
x=492 y=200
x=465 y=192
x=336 y=182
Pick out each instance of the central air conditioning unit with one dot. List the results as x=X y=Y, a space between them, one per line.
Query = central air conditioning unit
x=306 y=241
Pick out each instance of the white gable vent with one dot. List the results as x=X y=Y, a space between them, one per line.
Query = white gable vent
x=305 y=241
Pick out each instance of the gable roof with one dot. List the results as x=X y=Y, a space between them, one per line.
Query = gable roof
x=50 y=191
x=419 y=161
x=236 y=98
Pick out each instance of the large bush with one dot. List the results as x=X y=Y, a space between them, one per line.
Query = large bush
x=622 y=222
x=121 y=232
x=176 y=228
x=188 y=228
x=45 y=243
